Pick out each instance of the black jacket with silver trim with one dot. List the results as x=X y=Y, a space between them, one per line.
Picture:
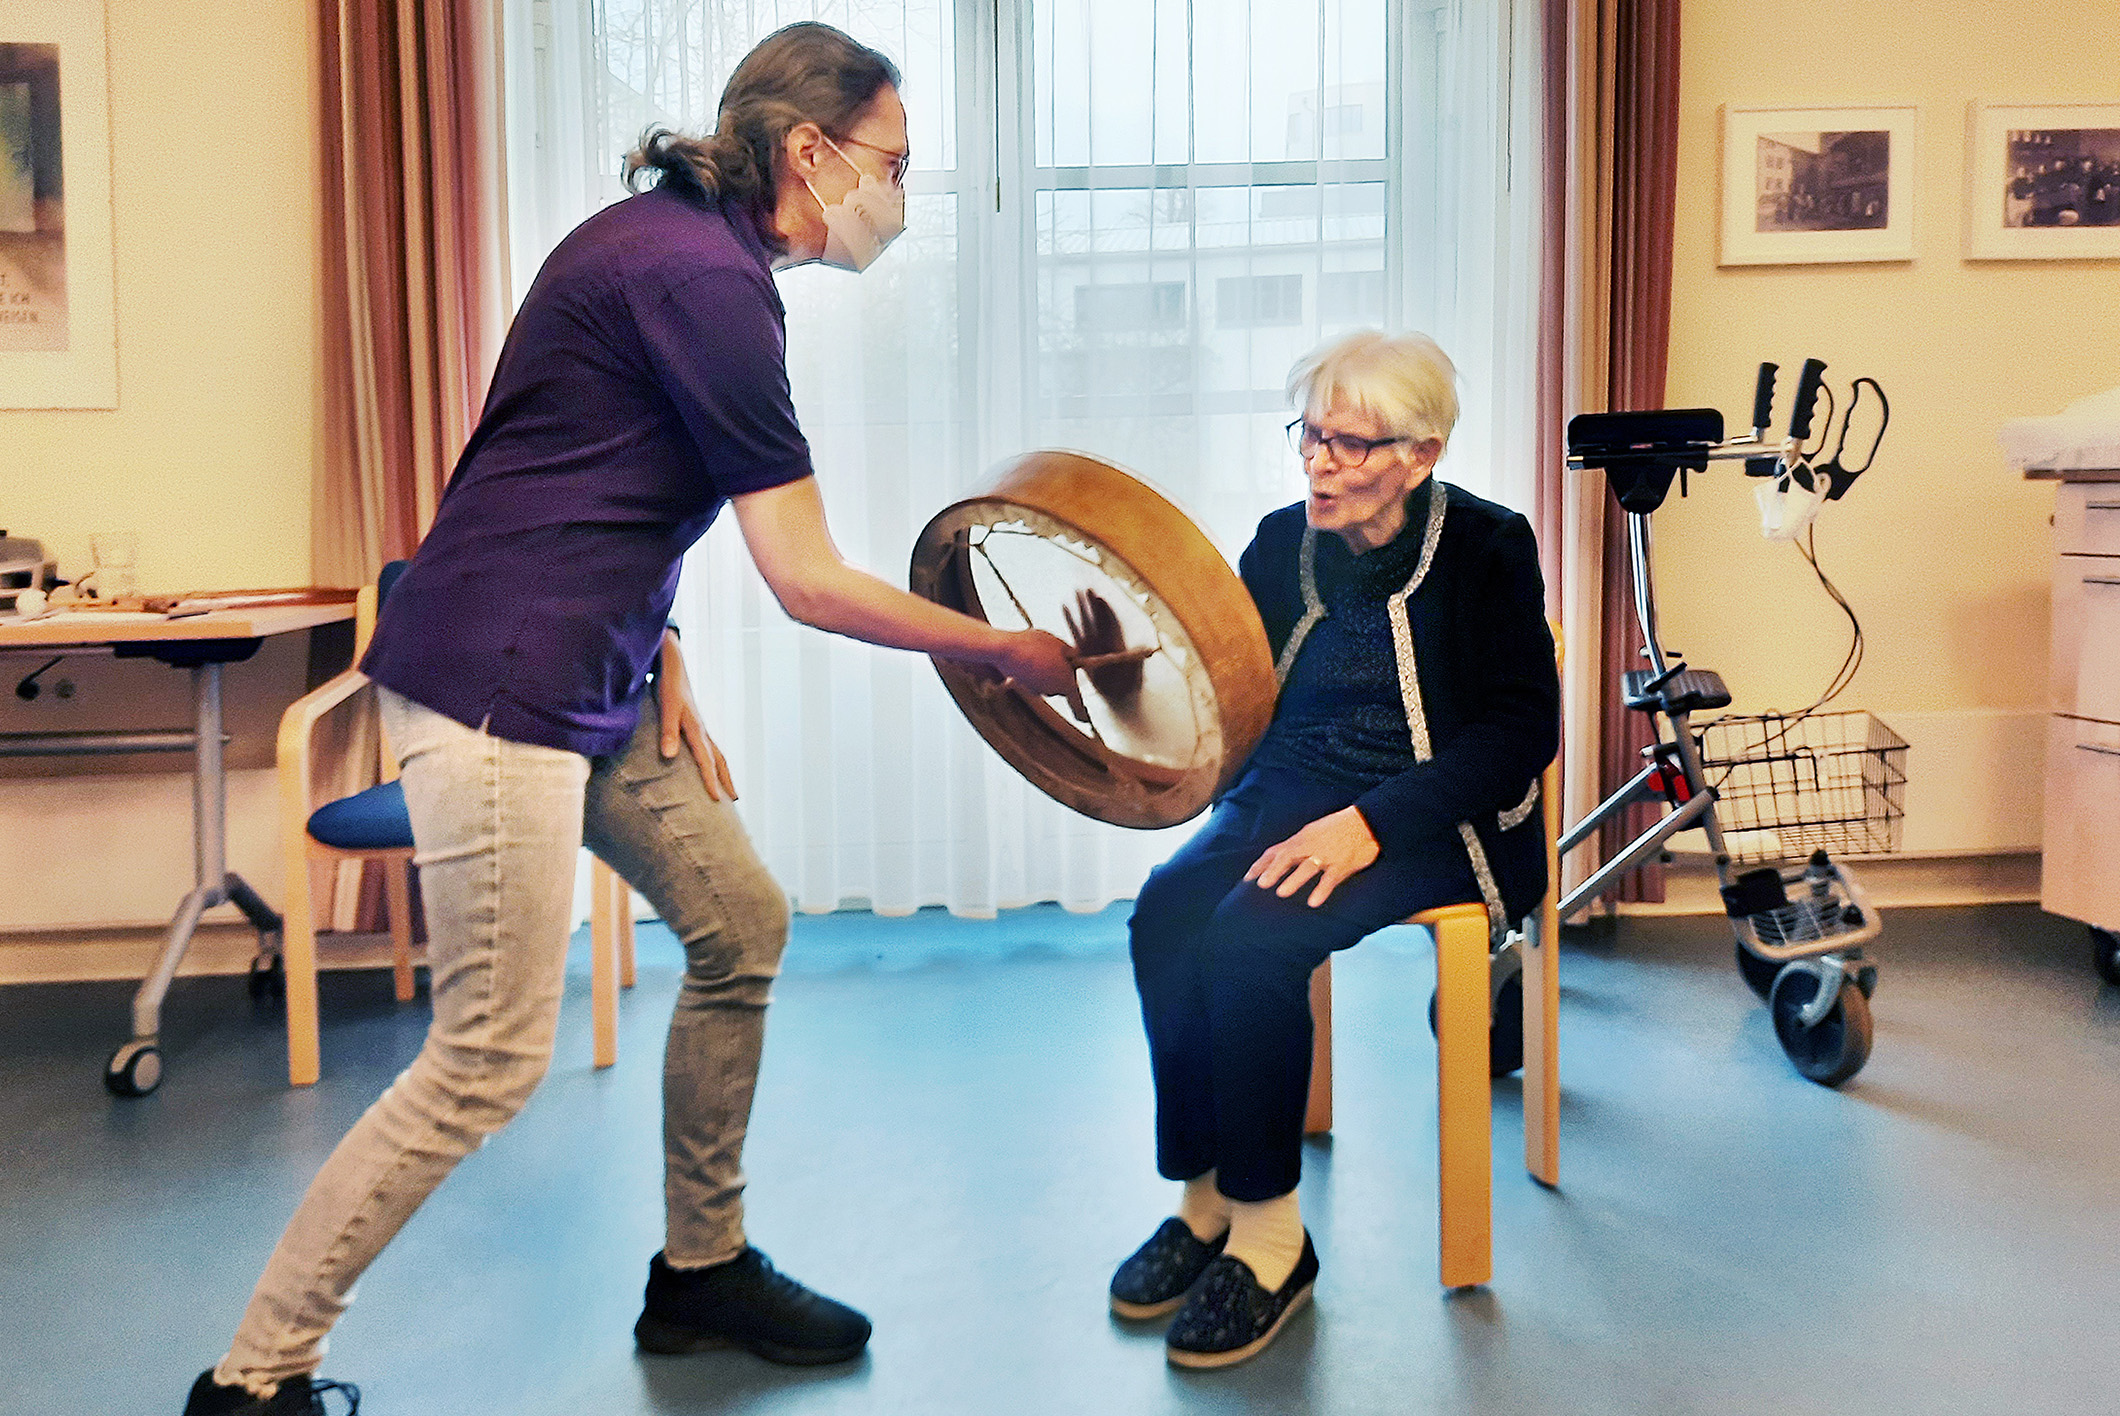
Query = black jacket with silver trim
x=1454 y=611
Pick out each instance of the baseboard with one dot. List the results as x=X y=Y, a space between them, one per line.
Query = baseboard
x=78 y=955
x=1900 y=881
x=81 y=955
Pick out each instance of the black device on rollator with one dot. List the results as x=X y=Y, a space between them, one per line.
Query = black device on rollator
x=1788 y=785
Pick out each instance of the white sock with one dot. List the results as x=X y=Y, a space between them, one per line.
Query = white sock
x=1204 y=1209
x=1268 y=1236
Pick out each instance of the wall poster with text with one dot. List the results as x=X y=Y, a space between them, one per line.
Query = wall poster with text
x=58 y=317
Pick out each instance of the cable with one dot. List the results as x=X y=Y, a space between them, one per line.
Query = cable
x=1852 y=664
x=1843 y=677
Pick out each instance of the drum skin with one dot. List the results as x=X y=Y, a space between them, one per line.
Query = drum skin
x=1212 y=680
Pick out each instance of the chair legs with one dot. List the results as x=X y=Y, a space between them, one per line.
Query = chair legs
x=1542 y=1001
x=1542 y=1073
x=298 y=946
x=1464 y=1093
x=397 y=894
x=1317 y=1112
x=1464 y=1085
x=607 y=908
x=298 y=957
x=611 y=964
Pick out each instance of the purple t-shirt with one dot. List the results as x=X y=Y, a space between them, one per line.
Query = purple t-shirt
x=643 y=383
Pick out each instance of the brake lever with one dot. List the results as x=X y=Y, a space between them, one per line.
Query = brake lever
x=1838 y=475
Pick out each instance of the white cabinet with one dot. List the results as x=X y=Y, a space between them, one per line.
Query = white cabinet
x=2081 y=870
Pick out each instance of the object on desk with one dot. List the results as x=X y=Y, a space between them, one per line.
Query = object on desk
x=2085 y=436
x=116 y=574
x=206 y=601
x=23 y=566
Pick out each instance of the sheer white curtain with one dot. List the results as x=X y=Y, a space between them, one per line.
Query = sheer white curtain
x=1125 y=220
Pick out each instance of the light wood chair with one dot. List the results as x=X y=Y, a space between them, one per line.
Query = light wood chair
x=610 y=954
x=371 y=825
x=1464 y=1081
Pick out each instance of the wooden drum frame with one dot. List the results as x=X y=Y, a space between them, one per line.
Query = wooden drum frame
x=1052 y=523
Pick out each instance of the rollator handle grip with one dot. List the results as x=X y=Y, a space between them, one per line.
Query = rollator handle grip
x=1807 y=385
x=1763 y=400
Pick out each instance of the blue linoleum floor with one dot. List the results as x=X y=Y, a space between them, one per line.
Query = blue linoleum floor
x=953 y=1133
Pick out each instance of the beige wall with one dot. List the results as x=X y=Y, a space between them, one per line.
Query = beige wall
x=208 y=454
x=210 y=450
x=1943 y=549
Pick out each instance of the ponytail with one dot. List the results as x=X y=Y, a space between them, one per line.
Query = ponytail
x=804 y=73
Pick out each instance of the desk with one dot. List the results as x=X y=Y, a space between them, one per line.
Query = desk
x=200 y=643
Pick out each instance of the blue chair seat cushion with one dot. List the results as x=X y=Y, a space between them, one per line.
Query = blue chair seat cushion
x=374 y=820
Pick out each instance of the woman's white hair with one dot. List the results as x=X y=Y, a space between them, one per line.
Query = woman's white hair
x=1406 y=382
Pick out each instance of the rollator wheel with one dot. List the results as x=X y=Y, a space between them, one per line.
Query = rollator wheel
x=1836 y=1048
x=268 y=977
x=2105 y=954
x=1505 y=1029
x=1759 y=974
x=134 y=1069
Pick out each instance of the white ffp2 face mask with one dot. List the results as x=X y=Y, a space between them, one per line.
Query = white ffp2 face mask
x=859 y=225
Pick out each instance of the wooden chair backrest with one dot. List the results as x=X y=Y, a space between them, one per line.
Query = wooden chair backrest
x=364 y=610
x=364 y=616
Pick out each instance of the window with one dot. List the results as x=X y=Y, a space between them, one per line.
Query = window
x=1125 y=220
x=1140 y=305
x=1257 y=301
x=1351 y=297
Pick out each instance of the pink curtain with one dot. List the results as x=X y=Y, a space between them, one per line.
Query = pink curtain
x=1549 y=492
x=414 y=289
x=1643 y=183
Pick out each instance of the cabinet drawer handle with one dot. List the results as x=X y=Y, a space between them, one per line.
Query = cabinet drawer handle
x=2101 y=506
x=2101 y=580
x=2101 y=751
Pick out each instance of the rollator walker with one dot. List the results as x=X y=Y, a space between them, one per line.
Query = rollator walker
x=1776 y=789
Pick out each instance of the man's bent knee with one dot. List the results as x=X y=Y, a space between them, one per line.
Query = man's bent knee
x=746 y=940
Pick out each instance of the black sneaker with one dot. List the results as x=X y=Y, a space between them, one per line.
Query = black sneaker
x=297 y=1396
x=746 y=1303
x=1160 y=1273
x=1231 y=1318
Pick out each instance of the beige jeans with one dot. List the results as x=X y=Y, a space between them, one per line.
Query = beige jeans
x=498 y=825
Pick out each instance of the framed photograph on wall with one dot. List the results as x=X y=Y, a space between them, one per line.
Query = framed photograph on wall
x=58 y=301
x=1809 y=185
x=2043 y=182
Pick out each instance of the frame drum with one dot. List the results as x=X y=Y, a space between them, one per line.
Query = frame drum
x=1187 y=688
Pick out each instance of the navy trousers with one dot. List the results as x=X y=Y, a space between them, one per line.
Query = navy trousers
x=1223 y=968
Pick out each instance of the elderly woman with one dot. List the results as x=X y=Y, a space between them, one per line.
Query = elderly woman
x=1418 y=706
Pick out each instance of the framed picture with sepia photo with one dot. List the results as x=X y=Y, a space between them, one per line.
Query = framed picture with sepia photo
x=2043 y=182
x=1810 y=185
x=58 y=303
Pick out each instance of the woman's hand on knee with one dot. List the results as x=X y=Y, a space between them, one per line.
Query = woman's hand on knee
x=1327 y=851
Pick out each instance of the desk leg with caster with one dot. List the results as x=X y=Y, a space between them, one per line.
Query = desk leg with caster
x=135 y=1069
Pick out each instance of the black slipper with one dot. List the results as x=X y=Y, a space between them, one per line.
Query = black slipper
x=1160 y=1273
x=1230 y=1317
